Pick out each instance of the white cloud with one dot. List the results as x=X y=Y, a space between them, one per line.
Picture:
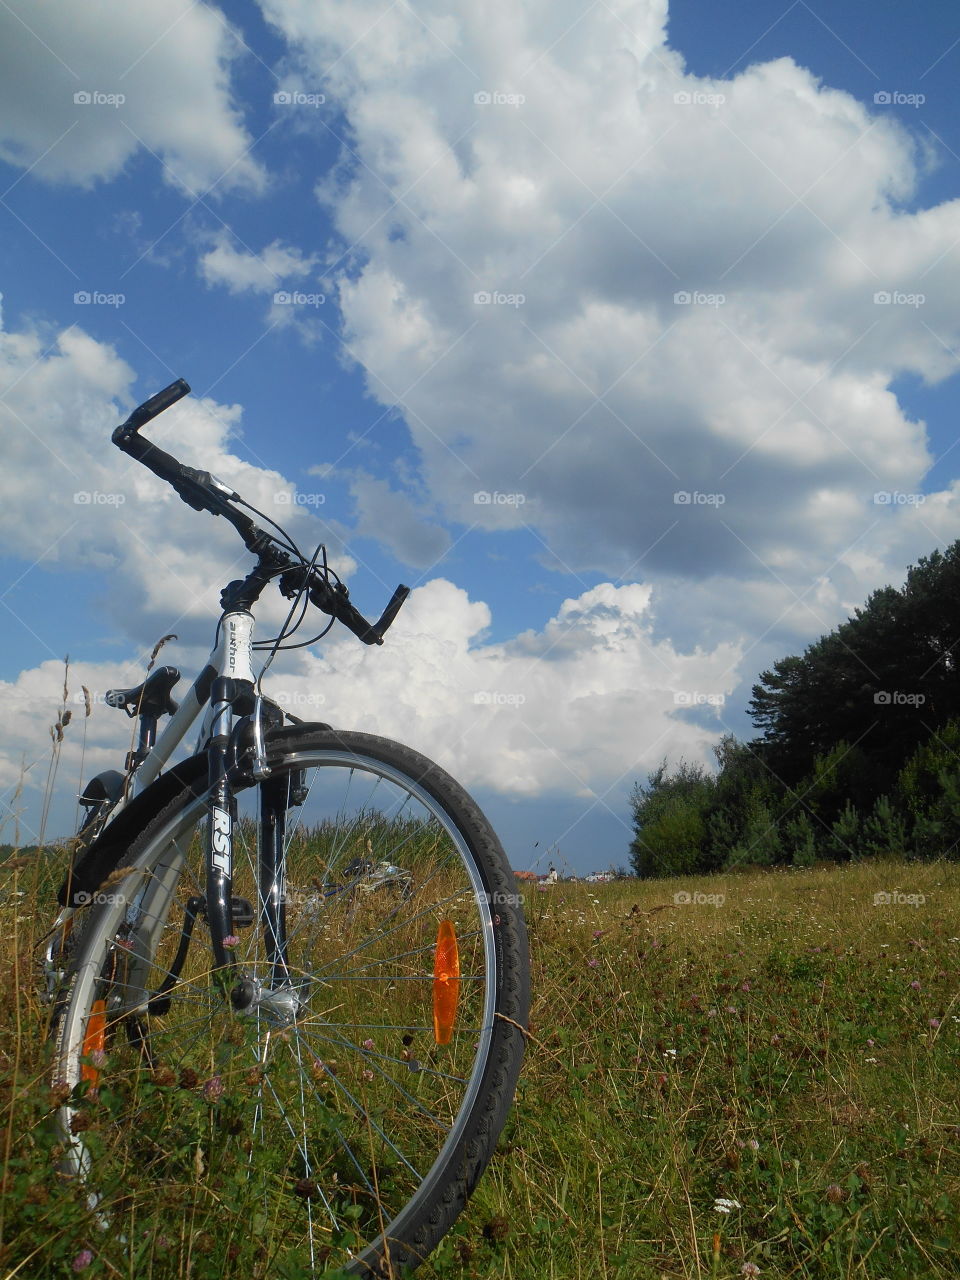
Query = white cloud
x=241 y=269
x=583 y=706
x=574 y=708
x=83 y=87
x=592 y=182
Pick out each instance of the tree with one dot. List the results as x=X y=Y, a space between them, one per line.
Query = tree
x=800 y=839
x=884 y=830
x=882 y=680
x=760 y=844
x=844 y=844
x=668 y=818
x=744 y=786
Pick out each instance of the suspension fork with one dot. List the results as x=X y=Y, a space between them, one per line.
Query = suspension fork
x=225 y=694
x=274 y=800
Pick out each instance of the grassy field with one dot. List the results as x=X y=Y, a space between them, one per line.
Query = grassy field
x=761 y=1079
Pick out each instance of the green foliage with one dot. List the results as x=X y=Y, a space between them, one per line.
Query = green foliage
x=881 y=679
x=799 y=839
x=760 y=844
x=737 y=825
x=920 y=782
x=884 y=833
x=845 y=835
x=669 y=819
x=838 y=776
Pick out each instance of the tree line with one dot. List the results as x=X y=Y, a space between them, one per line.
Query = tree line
x=859 y=753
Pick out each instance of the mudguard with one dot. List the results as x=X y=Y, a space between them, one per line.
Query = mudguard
x=103 y=854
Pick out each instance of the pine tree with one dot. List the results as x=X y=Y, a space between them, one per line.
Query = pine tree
x=844 y=843
x=884 y=830
x=800 y=840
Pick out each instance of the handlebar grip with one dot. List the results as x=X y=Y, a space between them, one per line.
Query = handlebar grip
x=164 y=465
x=156 y=404
x=390 y=612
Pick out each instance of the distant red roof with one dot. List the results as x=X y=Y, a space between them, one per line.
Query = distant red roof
x=526 y=875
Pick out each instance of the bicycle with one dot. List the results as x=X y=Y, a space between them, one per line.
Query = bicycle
x=357 y=1052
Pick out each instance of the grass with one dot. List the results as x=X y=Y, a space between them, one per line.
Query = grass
x=789 y=1048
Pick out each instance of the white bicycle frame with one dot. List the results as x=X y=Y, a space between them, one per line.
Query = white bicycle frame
x=231 y=656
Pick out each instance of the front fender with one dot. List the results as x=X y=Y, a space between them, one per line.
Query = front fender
x=104 y=854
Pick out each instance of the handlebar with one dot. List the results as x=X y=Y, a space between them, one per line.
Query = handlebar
x=335 y=601
x=204 y=492
x=156 y=404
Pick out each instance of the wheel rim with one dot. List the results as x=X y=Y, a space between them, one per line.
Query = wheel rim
x=346 y=1102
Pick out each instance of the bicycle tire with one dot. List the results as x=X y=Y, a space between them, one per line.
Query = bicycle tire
x=468 y=1109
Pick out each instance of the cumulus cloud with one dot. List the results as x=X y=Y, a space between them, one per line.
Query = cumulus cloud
x=666 y=310
x=84 y=87
x=584 y=705
x=589 y=700
x=241 y=270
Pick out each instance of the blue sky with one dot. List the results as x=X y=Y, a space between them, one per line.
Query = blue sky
x=600 y=164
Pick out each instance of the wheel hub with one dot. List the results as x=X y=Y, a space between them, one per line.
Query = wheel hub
x=251 y=998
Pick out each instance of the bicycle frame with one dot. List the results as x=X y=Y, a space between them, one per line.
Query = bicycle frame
x=232 y=659
x=224 y=686
x=227 y=687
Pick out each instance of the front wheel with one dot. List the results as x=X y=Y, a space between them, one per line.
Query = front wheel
x=362 y=1081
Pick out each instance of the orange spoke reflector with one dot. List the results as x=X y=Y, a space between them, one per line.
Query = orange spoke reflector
x=446 y=983
x=95 y=1038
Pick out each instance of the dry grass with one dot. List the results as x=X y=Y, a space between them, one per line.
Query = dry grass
x=793 y=1050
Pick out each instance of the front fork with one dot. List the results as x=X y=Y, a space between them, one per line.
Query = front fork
x=221 y=816
x=274 y=800
x=227 y=696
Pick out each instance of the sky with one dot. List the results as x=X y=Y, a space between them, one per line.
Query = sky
x=624 y=334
